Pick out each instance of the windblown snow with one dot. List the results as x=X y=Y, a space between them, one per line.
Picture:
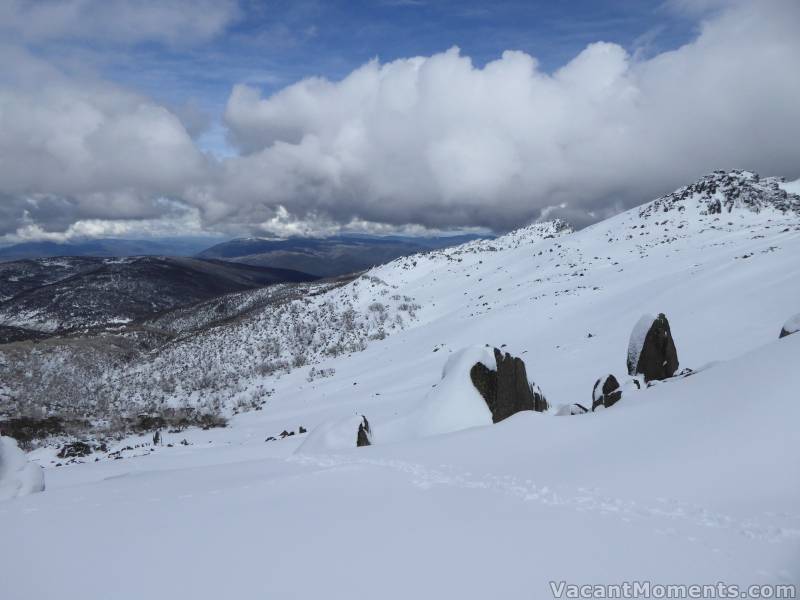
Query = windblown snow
x=695 y=479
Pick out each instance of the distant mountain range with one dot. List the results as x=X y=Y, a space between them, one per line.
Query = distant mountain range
x=327 y=257
x=55 y=295
x=322 y=257
x=180 y=246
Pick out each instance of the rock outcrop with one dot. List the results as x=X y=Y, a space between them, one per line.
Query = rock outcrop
x=364 y=436
x=506 y=390
x=791 y=326
x=606 y=392
x=651 y=350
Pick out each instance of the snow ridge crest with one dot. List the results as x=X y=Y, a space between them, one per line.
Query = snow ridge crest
x=723 y=191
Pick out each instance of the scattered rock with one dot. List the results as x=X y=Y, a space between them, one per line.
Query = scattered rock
x=606 y=392
x=302 y=429
x=364 y=437
x=75 y=450
x=507 y=390
x=791 y=326
x=651 y=350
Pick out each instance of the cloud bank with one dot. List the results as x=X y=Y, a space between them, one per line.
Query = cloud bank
x=430 y=141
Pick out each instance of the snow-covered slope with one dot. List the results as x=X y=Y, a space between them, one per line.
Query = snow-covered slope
x=692 y=480
x=689 y=482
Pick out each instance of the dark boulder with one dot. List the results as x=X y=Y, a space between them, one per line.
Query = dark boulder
x=364 y=437
x=506 y=390
x=651 y=350
x=606 y=392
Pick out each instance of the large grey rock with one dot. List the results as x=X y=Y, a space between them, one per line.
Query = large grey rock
x=606 y=392
x=651 y=350
x=507 y=390
x=364 y=436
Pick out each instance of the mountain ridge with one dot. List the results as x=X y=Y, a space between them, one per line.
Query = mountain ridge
x=63 y=294
x=330 y=256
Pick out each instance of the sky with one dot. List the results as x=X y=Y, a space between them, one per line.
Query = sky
x=178 y=117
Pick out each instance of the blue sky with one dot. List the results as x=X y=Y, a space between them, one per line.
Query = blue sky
x=272 y=44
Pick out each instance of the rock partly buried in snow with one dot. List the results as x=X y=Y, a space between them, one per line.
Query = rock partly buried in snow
x=18 y=475
x=566 y=410
x=791 y=326
x=505 y=388
x=651 y=350
x=336 y=435
x=606 y=392
x=364 y=436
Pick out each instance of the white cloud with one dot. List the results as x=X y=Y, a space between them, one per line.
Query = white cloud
x=439 y=141
x=72 y=150
x=180 y=221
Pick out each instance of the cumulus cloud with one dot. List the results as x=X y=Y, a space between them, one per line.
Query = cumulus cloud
x=425 y=142
x=439 y=141
x=72 y=150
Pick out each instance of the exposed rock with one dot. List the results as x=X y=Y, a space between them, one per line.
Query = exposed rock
x=651 y=350
x=364 y=437
x=75 y=450
x=507 y=390
x=725 y=191
x=606 y=392
x=791 y=326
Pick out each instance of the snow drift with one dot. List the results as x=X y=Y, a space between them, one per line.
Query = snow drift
x=18 y=475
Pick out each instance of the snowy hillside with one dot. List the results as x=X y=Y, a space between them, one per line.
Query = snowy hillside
x=694 y=479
